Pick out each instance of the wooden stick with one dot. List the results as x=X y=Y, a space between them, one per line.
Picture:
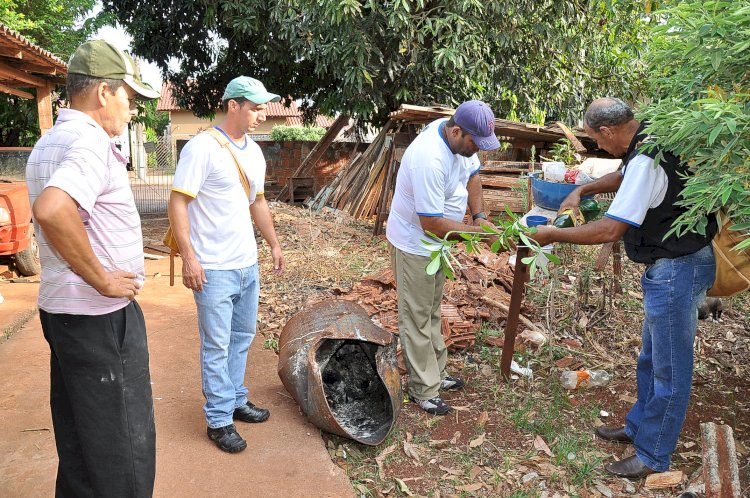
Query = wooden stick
x=316 y=153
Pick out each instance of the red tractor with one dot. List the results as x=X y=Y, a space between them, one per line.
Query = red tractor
x=17 y=240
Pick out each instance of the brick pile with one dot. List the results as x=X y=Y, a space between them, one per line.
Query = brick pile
x=463 y=308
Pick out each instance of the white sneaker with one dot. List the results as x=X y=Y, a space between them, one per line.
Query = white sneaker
x=451 y=383
x=435 y=406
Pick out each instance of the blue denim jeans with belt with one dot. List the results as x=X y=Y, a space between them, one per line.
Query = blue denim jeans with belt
x=227 y=315
x=672 y=291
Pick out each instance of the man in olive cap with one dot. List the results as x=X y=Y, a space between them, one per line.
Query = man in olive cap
x=91 y=249
x=208 y=213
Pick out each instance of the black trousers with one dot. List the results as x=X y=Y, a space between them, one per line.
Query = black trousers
x=102 y=408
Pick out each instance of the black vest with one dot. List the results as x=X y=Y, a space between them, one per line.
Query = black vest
x=647 y=244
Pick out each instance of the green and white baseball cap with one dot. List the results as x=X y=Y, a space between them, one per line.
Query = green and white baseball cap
x=101 y=59
x=249 y=88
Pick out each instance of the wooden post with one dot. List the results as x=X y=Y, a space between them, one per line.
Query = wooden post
x=316 y=153
x=44 y=106
x=520 y=277
x=172 y=254
x=720 y=467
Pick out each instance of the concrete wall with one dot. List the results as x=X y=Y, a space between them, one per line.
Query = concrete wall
x=13 y=162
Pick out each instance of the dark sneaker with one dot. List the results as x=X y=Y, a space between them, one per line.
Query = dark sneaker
x=434 y=406
x=251 y=413
x=451 y=383
x=227 y=438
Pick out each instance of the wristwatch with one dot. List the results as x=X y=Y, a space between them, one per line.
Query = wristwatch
x=479 y=216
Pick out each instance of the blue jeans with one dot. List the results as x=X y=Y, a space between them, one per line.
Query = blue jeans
x=672 y=291
x=227 y=314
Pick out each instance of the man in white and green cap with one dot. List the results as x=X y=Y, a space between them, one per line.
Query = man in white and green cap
x=91 y=248
x=208 y=213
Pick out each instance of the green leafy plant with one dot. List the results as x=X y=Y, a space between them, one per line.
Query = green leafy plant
x=698 y=80
x=297 y=133
x=507 y=233
x=564 y=152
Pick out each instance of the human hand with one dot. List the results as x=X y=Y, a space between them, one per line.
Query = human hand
x=118 y=283
x=278 y=260
x=545 y=234
x=193 y=276
x=571 y=202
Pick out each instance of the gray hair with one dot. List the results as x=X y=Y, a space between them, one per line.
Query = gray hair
x=608 y=111
x=78 y=85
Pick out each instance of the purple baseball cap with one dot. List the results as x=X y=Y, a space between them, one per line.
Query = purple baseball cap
x=477 y=119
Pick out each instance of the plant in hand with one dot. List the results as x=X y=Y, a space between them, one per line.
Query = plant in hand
x=507 y=233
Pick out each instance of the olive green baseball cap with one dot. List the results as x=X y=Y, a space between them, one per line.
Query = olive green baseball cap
x=101 y=59
x=249 y=88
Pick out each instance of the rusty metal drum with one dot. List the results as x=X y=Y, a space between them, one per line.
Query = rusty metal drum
x=341 y=368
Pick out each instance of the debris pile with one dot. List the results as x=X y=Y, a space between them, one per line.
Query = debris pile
x=480 y=293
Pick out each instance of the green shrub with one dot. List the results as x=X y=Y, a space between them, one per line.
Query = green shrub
x=297 y=133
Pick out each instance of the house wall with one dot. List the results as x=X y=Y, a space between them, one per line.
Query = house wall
x=185 y=123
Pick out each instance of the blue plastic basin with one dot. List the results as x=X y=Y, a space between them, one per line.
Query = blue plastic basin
x=549 y=195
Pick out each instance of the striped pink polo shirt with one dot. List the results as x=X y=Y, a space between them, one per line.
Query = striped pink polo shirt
x=77 y=156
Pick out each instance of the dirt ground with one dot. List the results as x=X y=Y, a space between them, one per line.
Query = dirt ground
x=530 y=438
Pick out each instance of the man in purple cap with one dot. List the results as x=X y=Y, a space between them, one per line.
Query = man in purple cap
x=436 y=181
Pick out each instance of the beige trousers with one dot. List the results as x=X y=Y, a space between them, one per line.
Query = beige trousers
x=419 y=296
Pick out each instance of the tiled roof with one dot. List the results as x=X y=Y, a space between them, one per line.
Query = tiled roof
x=167 y=102
x=323 y=121
x=15 y=47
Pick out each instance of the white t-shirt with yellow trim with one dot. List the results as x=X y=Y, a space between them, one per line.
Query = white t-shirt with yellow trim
x=221 y=230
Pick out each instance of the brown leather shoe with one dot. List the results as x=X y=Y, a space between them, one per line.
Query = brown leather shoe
x=629 y=468
x=616 y=434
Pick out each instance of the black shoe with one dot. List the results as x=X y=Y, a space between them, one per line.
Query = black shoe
x=227 y=438
x=629 y=468
x=616 y=434
x=251 y=413
x=451 y=383
x=434 y=406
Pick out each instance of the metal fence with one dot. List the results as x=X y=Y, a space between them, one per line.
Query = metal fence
x=152 y=173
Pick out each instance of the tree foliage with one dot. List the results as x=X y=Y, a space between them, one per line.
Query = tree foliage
x=301 y=133
x=530 y=59
x=55 y=26
x=699 y=67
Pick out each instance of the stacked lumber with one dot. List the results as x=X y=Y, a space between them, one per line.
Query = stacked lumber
x=502 y=182
x=365 y=187
x=462 y=310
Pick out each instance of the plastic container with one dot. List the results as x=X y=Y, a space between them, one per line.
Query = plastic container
x=536 y=220
x=582 y=379
x=549 y=195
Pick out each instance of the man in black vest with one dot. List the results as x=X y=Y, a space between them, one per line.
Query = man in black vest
x=679 y=271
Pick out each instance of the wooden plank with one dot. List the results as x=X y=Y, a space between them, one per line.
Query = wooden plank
x=573 y=139
x=499 y=181
x=720 y=467
x=17 y=93
x=317 y=152
x=17 y=74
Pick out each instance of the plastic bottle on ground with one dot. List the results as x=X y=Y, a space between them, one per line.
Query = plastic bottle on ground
x=582 y=379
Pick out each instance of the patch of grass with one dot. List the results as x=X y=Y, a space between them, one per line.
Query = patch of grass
x=526 y=493
x=271 y=342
